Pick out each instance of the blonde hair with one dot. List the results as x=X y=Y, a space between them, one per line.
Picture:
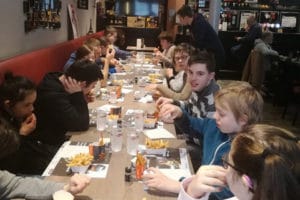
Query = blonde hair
x=242 y=100
x=92 y=42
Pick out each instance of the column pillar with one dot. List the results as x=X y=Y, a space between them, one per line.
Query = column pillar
x=214 y=13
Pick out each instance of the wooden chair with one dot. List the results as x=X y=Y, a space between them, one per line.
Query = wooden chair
x=253 y=71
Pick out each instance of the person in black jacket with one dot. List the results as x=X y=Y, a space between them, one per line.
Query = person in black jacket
x=246 y=43
x=202 y=33
x=62 y=99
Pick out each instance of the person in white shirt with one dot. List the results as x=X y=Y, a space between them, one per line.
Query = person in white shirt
x=263 y=45
x=166 y=43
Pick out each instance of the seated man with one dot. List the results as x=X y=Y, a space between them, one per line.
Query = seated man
x=263 y=46
x=62 y=99
x=201 y=72
x=246 y=43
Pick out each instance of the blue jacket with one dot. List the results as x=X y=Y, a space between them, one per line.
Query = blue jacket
x=215 y=143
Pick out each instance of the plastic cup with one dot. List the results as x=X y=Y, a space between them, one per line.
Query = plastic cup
x=116 y=139
x=101 y=120
x=132 y=142
x=139 y=120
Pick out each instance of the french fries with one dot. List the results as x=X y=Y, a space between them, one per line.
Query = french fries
x=156 y=144
x=140 y=160
x=81 y=159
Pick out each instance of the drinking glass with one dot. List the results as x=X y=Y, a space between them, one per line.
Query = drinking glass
x=112 y=97
x=116 y=139
x=132 y=142
x=101 y=120
x=139 y=120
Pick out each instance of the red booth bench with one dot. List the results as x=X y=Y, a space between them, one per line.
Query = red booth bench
x=34 y=65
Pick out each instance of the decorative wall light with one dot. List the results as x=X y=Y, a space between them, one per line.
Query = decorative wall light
x=42 y=14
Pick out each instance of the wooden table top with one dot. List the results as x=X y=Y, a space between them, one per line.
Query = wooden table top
x=114 y=186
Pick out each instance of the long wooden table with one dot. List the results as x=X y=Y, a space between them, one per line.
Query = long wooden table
x=114 y=187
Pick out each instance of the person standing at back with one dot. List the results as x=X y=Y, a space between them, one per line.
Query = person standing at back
x=203 y=35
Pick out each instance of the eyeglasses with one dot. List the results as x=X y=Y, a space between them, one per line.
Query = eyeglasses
x=226 y=164
x=183 y=57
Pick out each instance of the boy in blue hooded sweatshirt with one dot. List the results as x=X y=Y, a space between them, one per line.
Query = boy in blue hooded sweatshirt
x=237 y=106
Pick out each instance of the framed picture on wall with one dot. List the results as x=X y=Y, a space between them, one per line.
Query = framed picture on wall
x=83 y=4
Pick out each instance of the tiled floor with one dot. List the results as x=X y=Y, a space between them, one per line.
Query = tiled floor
x=272 y=115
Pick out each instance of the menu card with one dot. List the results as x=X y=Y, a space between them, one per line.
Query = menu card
x=174 y=165
x=158 y=133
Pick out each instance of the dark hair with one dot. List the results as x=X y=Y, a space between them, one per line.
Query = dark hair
x=84 y=70
x=110 y=30
x=185 y=11
x=103 y=41
x=183 y=47
x=9 y=140
x=270 y=157
x=203 y=57
x=15 y=88
x=165 y=36
x=83 y=51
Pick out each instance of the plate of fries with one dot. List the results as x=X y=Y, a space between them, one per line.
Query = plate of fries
x=156 y=146
x=80 y=162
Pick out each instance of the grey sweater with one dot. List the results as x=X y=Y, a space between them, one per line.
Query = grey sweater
x=12 y=186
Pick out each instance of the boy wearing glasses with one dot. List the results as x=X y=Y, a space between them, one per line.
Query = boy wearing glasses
x=237 y=106
x=178 y=87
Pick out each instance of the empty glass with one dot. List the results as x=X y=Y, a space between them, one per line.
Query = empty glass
x=132 y=142
x=116 y=139
x=139 y=120
x=101 y=120
x=112 y=97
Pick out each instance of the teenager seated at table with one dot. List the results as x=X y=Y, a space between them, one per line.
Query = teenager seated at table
x=166 y=43
x=237 y=106
x=111 y=35
x=12 y=186
x=62 y=99
x=201 y=73
x=114 y=65
x=263 y=163
x=17 y=95
x=93 y=44
x=177 y=77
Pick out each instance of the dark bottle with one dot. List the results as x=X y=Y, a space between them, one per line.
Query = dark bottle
x=127 y=174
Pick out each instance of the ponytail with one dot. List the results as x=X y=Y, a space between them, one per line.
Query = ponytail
x=276 y=176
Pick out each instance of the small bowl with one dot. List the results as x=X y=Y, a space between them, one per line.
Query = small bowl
x=80 y=169
x=149 y=123
x=62 y=195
